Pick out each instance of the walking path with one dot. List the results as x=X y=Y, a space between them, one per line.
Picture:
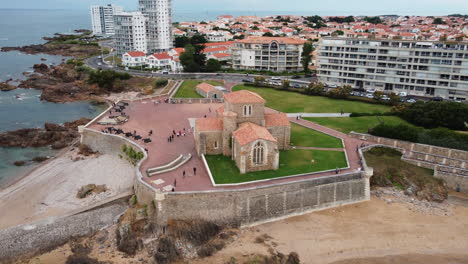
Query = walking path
x=319 y=114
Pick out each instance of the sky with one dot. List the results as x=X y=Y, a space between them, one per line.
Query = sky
x=328 y=7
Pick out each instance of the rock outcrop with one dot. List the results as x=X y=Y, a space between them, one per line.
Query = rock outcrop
x=53 y=135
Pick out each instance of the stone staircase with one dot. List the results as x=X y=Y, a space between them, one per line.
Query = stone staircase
x=173 y=165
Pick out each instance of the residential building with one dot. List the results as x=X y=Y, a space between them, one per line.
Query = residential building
x=102 y=19
x=421 y=68
x=134 y=59
x=276 y=54
x=159 y=61
x=130 y=32
x=159 y=25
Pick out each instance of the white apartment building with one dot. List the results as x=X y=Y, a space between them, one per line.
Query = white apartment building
x=102 y=19
x=276 y=54
x=421 y=68
x=159 y=25
x=130 y=32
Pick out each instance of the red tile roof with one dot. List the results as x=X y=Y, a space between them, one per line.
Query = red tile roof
x=249 y=132
x=215 y=49
x=209 y=124
x=136 y=53
x=243 y=96
x=162 y=56
x=278 y=119
x=267 y=40
x=222 y=55
x=206 y=87
x=217 y=44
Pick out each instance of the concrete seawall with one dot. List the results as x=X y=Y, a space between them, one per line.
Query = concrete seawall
x=39 y=237
x=244 y=206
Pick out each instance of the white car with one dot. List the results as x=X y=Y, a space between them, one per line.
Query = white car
x=402 y=94
x=411 y=101
x=385 y=98
x=371 y=96
x=371 y=91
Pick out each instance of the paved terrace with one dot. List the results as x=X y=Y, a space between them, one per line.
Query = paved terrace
x=164 y=118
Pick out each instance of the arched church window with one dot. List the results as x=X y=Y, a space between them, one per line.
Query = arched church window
x=259 y=153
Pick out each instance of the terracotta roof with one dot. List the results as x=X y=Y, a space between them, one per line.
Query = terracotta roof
x=267 y=40
x=215 y=49
x=220 y=111
x=249 y=132
x=136 y=53
x=162 y=56
x=206 y=87
x=221 y=55
x=278 y=119
x=209 y=124
x=243 y=96
x=217 y=44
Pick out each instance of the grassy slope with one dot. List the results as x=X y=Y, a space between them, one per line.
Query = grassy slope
x=291 y=102
x=187 y=89
x=292 y=162
x=356 y=124
x=305 y=137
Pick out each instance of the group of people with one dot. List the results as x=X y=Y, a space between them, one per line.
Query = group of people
x=118 y=108
x=180 y=133
x=183 y=176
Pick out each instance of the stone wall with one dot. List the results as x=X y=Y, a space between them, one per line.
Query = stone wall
x=454 y=181
x=282 y=135
x=39 y=237
x=196 y=100
x=256 y=205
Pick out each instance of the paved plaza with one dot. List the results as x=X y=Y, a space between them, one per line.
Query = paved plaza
x=164 y=118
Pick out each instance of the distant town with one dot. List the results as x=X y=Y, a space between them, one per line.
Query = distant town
x=408 y=55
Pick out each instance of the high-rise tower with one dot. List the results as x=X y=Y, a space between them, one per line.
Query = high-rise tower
x=159 y=25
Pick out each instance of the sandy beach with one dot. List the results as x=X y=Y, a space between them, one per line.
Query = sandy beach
x=50 y=190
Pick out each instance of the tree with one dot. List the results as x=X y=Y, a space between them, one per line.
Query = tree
x=438 y=21
x=338 y=32
x=239 y=37
x=378 y=95
x=254 y=28
x=373 y=20
x=213 y=65
x=259 y=80
x=306 y=56
x=285 y=84
x=181 y=41
x=268 y=34
x=107 y=79
x=193 y=59
x=394 y=99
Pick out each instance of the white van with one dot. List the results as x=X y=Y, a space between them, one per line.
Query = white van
x=275 y=78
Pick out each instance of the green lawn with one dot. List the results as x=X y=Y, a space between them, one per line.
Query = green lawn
x=356 y=124
x=187 y=89
x=292 y=162
x=291 y=102
x=306 y=137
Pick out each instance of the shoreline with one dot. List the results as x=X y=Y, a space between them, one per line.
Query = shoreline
x=13 y=182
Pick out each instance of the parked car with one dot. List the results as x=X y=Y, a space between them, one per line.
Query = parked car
x=402 y=94
x=437 y=99
x=246 y=80
x=296 y=85
x=275 y=78
x=296 y=77
x=369 y=95
x=385 y=98
x=411 y=101
x=371 y=91
x=333 y=86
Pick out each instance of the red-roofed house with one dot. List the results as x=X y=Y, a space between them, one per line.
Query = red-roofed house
x=208 y=91
x=134 y=59
x=159 y=60
x=243 y=131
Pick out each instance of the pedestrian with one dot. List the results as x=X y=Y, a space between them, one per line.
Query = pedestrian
x=146 y=150
x=183 y=134
x=184 y=129
x=175 y=183
x=194 y=171
x=336 y=170
x=209 y=109
x=205 y=116
x=183 y=174
x=150 y=133
x=173 y=189
x=173 y=132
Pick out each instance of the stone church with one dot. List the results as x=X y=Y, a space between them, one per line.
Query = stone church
x=243 y=131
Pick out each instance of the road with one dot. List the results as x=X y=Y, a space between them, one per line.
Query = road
x=95 y=62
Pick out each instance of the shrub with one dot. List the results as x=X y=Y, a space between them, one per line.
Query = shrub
x=161 y=83
x=441 y=137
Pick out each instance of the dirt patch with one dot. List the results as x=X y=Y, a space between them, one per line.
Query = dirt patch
x=89 y=189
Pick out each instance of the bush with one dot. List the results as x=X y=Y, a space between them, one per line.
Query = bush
x=161 y=83
x=451 y=115
x=441 y=137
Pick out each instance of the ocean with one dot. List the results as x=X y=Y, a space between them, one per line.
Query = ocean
x=24 y=27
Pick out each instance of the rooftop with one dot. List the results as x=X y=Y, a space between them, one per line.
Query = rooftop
x=209 y=124
x=267 y=40
x=279 y=119
x=249 y=132
x=206 y=87
x=243 y=96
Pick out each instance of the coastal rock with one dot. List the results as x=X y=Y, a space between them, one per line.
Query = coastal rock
x=19 y=163
x=40 y=159
x=53 y=135
x=41 y=68
x=5 y=86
